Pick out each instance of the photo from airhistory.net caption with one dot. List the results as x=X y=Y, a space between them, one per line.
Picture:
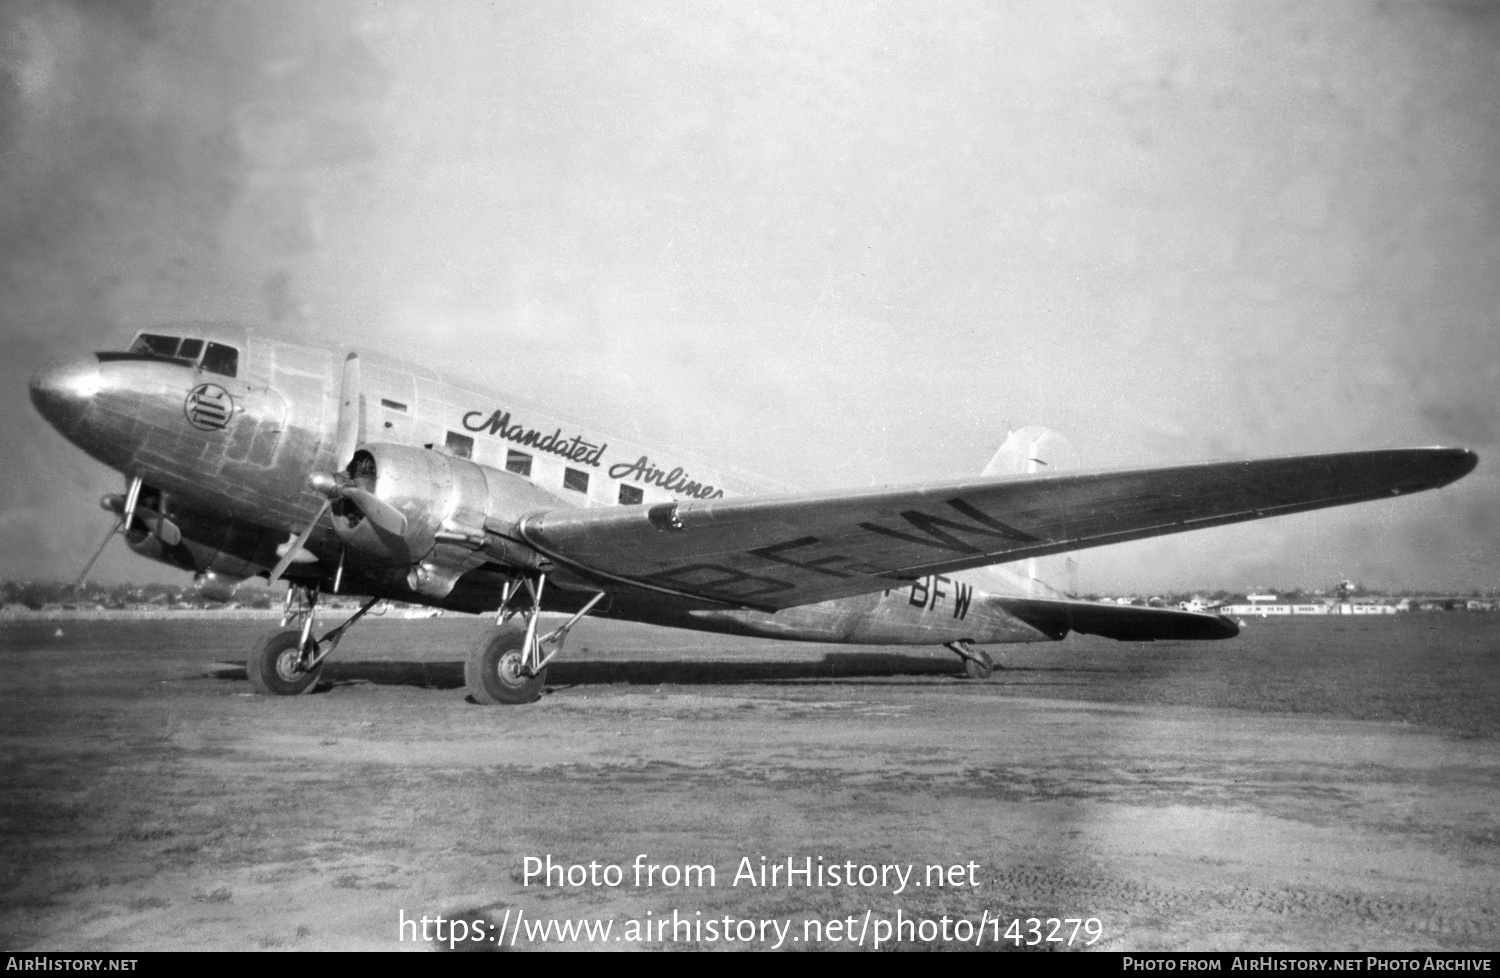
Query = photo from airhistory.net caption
x=1101 y=962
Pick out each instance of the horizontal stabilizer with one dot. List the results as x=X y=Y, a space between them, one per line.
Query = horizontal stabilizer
x=1128 y=623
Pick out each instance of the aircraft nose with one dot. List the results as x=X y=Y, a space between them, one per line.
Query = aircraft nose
x=63 y=391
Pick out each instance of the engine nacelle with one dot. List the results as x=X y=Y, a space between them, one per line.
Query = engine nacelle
x=220 y=551
x=148 y=545
x=457 y=514
x=213 y=586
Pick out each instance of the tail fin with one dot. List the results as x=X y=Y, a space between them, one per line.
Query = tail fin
x=1032 y=450
x=1036 y=450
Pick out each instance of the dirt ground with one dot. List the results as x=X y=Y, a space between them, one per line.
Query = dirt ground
x=1306 y=786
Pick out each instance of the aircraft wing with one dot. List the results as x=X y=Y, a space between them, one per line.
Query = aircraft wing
x=773 y=552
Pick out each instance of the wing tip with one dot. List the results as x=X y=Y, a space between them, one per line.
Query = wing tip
x=1465 y=461
x=1443 y=465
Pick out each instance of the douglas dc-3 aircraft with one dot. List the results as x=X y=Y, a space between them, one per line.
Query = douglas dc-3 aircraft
x=354 y=473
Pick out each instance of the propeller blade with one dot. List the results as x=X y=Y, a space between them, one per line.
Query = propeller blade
x=347 y=438
x=376 y=510
x=296 y=545
x=89 y=567
x=132 y=496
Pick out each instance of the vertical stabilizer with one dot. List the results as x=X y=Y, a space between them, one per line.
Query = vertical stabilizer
x=1035 y=450
x=1031 y=451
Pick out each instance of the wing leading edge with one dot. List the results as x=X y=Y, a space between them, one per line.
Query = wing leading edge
x=773 y=552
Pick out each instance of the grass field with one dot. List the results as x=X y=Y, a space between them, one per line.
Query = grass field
x=1440 y=671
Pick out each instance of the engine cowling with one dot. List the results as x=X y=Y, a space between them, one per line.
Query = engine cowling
x=221 y=552
x=457 y=514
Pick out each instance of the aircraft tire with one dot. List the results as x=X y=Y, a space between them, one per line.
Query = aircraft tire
x=493 y=670
x=980 y=667
x=272 y=667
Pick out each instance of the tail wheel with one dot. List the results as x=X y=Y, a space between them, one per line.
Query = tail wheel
x=275 y=669
x=494 y=672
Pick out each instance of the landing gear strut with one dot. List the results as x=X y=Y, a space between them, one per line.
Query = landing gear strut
x=510 y=665
x=291 y=660
x=977 y=662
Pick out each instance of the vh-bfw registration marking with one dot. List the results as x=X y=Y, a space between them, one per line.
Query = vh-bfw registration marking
x=938 y=533
x=928 y=592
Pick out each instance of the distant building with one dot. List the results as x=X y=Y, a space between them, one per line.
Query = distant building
x=1364 y=607
x=1259 y=608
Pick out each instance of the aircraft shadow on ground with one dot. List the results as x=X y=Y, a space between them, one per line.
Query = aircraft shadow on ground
x=835 y=666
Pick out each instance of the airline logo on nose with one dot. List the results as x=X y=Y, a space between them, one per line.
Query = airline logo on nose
x=208 y=407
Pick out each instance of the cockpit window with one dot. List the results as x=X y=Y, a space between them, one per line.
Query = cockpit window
x=161 y=346
x=217 y=357
x=221 y=359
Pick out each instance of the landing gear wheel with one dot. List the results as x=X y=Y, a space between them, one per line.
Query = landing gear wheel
x=275 y=670
x=981 y=666
x=493 y=672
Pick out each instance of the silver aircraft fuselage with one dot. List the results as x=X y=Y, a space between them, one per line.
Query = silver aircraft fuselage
x=224 y=442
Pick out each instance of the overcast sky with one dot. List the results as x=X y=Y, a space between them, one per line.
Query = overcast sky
x=840 y=243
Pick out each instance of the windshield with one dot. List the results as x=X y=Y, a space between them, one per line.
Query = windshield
x=216 y=357
x=162 y=346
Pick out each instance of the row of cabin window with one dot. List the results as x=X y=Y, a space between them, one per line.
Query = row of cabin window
x=520 y=464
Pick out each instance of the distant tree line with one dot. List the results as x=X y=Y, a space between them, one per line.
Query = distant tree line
x=42 y=594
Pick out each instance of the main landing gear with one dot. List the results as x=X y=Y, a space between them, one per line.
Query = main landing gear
x=291 y=660
x=977 y=662
x=510 y=666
